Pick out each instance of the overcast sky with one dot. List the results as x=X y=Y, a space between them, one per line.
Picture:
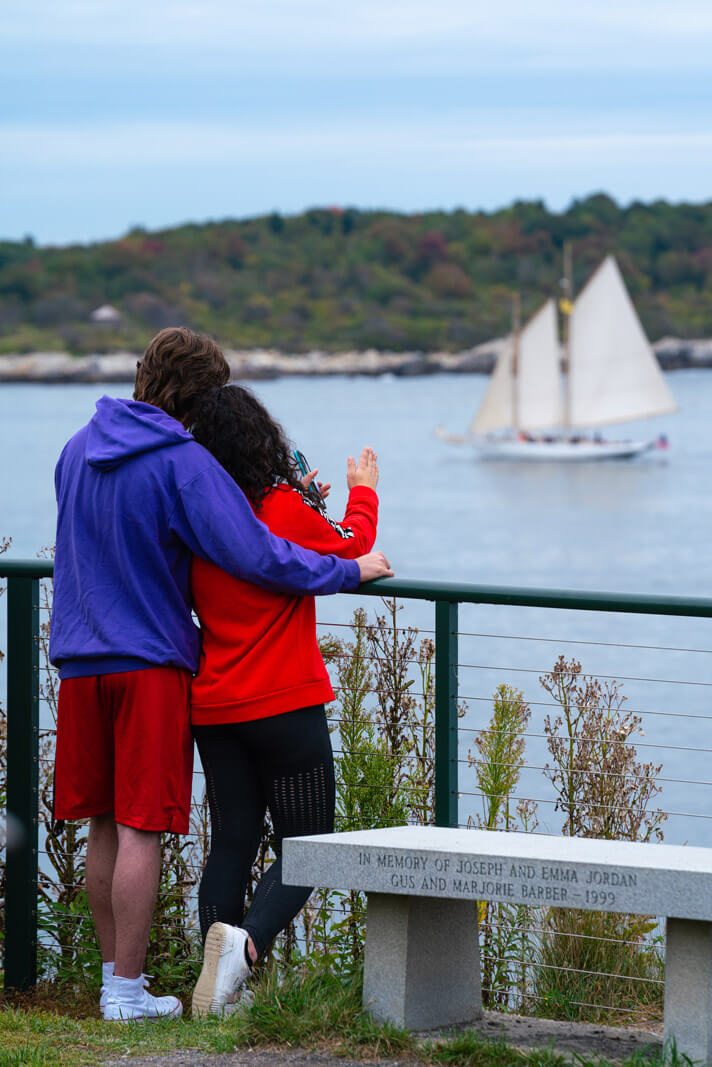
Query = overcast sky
x=122 y=112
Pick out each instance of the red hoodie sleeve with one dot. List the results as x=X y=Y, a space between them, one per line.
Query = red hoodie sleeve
x=290 y=514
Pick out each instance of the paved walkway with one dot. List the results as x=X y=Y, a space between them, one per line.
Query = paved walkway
x=244 y=1058
x=610 y=1042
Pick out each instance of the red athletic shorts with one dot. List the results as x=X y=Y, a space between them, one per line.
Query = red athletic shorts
x=124 y=745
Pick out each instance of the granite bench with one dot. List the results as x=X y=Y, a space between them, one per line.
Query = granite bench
x=422 y=957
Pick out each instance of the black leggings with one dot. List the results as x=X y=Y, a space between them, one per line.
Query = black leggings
x=283 y=763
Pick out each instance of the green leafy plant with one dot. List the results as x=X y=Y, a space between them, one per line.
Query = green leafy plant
x=506 y=938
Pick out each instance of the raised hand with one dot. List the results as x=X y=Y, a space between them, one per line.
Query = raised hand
x=365 y=472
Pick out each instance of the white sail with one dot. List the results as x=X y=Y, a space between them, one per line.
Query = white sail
x=614 y=375
x=540 y=400
x=537 y=392
x=496 y=412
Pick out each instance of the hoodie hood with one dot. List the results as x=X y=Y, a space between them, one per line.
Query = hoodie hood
x=121 y=429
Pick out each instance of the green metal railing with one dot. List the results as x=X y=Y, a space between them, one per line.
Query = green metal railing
x=23 y=703
x=23 y=578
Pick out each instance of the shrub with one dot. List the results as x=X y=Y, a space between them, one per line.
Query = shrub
x=596 y=964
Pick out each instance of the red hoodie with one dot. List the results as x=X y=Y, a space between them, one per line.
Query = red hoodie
x=260 y=655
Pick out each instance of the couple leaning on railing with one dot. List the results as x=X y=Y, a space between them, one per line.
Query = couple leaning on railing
x=159 y=506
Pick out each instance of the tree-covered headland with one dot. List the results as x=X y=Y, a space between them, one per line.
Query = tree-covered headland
x=340 y=278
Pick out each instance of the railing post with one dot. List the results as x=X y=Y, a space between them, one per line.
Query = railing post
x=22 y=781
x=445 y=713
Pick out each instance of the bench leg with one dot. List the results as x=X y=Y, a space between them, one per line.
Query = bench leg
x=688 y=987
x=422 y=966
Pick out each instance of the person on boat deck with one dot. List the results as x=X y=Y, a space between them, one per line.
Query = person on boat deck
x=137 y=498
x=257 y=703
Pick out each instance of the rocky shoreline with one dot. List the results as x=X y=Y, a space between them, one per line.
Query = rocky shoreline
x=257 y=364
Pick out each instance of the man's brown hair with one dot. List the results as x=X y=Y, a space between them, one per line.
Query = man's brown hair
x=176 y=367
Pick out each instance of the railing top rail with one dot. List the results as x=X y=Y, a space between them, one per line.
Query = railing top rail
x=26 y=568
x=468 y=593
x=526 y=596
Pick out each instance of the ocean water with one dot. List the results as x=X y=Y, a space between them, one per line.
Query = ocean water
x=638 y=526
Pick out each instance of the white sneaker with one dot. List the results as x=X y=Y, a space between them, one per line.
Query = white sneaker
x=225 y=968
x=104 y=992
x=128 y=1000
x=244 y=998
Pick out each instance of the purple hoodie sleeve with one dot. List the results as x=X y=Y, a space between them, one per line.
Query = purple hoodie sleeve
x=214 y=519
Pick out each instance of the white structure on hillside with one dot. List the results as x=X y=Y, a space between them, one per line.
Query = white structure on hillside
x=106 y=314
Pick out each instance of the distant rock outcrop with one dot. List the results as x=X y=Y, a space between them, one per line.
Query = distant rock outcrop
x=255 y=364
x=674 y=353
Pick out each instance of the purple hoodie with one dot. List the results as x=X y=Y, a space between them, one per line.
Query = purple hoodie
x=137 y=498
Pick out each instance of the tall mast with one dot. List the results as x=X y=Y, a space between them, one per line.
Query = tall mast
x=566 y=304
x=516 y=329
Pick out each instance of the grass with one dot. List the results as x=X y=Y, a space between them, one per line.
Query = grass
x=310 y=1009
x=590 y=958
x=41 y=1037
x=468 y=1048
x=316 y=1007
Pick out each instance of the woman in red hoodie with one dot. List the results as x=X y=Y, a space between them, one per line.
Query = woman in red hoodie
x=258 y=698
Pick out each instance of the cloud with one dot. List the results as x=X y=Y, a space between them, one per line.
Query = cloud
x=127 y=111
x=142 y=143
x=69 y=183
x=640 y=34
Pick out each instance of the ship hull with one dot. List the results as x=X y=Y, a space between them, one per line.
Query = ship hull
x=559 y=449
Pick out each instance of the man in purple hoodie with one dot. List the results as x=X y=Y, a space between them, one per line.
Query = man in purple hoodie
x=137 y=498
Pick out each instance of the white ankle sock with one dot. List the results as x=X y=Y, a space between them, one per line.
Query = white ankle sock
x=107 y=973
x=127 y=989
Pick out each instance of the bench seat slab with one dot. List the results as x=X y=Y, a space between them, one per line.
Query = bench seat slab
x=422 y=967
x=688 y=988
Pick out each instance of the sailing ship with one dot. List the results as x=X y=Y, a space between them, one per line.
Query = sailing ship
x=610 y=375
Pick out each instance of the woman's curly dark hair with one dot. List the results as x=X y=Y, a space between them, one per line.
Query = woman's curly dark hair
x=244 y=438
